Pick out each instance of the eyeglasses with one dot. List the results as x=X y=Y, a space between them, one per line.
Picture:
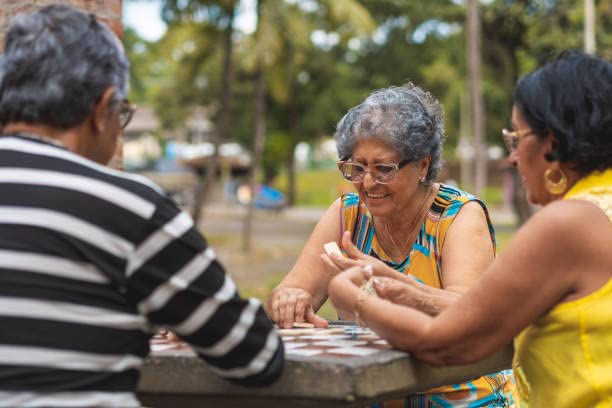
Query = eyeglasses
x=382 y=173
x=126 y=112
x=511 y=138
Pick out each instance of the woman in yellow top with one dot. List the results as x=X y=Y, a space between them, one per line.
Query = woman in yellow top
x=550 y=289
x=390 y=147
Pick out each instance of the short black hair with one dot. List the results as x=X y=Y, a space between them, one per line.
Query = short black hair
x=572 y=98
x=56 y=65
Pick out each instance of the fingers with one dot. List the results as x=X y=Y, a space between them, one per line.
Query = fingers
x=315 y=319
x=286 y=311
x=336 y=263
x=273 y=306
x=383 y=286
x=301 y=305
x=393 y=290
x=289 y=305
x=350 y=249
x=330 y=266
x=382 y=269
x=358 y=275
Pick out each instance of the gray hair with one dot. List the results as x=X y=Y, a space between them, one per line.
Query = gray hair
x=56 y=65
x=410 y=119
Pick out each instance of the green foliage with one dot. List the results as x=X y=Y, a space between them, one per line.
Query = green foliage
x=317 y=188
x=310 y=85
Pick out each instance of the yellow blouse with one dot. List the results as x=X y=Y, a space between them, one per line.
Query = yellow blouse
x=564 y=359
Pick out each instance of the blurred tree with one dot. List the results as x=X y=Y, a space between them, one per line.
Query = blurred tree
x=219 y=14
x=319 y=58
x=306 y=50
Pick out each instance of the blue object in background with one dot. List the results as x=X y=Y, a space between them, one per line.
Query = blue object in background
x=268 y=197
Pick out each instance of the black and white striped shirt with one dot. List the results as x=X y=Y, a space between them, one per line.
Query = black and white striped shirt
x=91 y=261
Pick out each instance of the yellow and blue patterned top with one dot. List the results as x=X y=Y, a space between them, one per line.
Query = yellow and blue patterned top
x=564 y=359
x=424 y=263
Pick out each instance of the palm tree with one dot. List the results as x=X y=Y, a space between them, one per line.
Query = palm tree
x=282 y=43
x=221 y=13
x=476 y=101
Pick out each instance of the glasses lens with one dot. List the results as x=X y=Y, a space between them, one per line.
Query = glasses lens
x=125 y=113
x=510 y=140
x=384 y=173
x=353 y=172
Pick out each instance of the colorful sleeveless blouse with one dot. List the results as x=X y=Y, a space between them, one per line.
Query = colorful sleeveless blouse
x=564 y=359
x=424 y=263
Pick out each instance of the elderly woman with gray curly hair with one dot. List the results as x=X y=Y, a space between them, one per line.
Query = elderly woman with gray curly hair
x=434 y=237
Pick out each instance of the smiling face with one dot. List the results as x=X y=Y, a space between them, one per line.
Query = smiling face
x=530 y=162
x=394 y=198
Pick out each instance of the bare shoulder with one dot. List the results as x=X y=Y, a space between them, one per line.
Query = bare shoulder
x=471 y=217
x=572 y=220
x=472 y=210
x=568 y=235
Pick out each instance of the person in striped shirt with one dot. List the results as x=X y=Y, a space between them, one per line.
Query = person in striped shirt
x=93 y=260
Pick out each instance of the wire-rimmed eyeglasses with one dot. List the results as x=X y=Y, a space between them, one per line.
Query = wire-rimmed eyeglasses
x=382 y=173
x=126 y=112
x=512 y=138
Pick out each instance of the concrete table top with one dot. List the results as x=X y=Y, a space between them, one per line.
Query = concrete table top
x=180 y=379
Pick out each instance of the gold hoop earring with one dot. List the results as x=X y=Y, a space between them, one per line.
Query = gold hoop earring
x=555 y=187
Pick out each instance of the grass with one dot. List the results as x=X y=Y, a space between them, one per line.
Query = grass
x=503 y=236
x=317 y=187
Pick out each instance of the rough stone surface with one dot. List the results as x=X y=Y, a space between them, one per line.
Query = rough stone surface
x=179 y=378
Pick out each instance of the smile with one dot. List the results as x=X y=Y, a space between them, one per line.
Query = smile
x=374 y=195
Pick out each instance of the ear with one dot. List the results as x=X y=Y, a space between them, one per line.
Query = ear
x=101 y=111
x=424 y=166
x=551 y=145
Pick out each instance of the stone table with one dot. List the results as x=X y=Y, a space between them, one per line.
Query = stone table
x=178 y=379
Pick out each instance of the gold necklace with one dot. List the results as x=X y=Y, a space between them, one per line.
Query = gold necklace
x=414 y=223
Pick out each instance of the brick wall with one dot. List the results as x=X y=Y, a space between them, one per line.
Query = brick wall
x=108 y=11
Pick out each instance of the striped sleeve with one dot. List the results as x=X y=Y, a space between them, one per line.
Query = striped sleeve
x=176 y=281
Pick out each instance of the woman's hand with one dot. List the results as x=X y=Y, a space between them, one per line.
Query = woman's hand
x=289 y=305
x=345 y=288
x=336 y=264
x=395 y=291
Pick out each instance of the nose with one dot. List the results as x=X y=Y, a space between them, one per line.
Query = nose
x=512 y=158
x=368 y=179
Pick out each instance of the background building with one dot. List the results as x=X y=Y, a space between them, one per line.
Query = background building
x=108 y=11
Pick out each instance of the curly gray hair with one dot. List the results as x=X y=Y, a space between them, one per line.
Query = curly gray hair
x=56 y=65
x=410 y=119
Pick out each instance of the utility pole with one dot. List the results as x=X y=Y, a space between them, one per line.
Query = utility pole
x=589 y=27
x=474 y=46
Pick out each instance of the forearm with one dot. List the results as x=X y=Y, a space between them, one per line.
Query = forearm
x=431 y=339
x=406 y=291
x=431 y=300
x=403 y=327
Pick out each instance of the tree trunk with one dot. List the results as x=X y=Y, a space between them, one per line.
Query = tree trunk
x=519 y=198
x=291 y=176
x=465 y=146
x=207 y=178
x=474 y=74
x=291 y=179
x=589 y=27
x=258 y=141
